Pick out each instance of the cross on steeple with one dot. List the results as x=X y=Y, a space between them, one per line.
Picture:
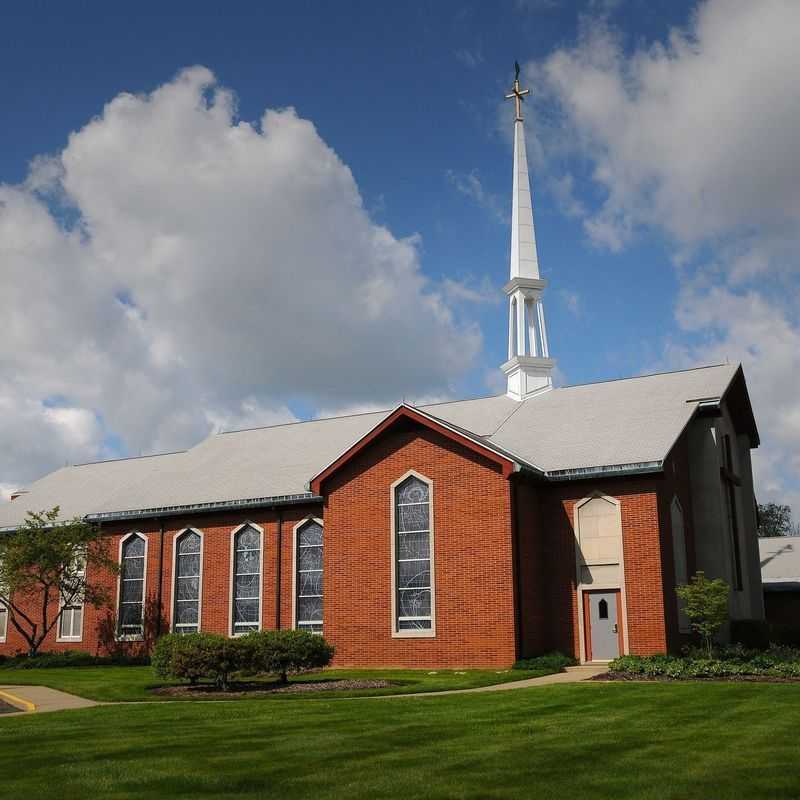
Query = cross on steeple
x=517 y=94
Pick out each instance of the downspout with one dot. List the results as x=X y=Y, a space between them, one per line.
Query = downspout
x=278 y=571
x=160 y=576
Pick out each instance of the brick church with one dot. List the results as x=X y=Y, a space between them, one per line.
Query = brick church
x=467 y=533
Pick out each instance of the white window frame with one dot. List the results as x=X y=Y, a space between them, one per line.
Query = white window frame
x=232 y=586
x=175 y=539
x=295 y=532
x=60 y=637
x=132 y=637
x=429 y=633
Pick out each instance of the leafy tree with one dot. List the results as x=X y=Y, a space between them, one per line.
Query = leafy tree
x=706 y=606
x=43 y=568
x=776 y=520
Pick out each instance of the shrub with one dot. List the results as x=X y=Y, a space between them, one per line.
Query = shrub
x=553 y=662
x=193 y=656
x=282 y=652
x=733 y=661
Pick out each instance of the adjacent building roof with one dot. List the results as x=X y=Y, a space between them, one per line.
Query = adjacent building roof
x=621 y=425
x=780 y=562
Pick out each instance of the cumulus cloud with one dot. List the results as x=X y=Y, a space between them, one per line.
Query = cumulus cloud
x=695 y=137
x=176 y=269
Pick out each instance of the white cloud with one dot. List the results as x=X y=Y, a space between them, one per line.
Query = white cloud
x=470 y=57
x=469 y=184
x=482 y=292
x=696 y=138
x=572 y=300
x=216 y=271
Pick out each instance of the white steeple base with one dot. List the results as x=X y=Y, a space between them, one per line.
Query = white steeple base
x=527 y=376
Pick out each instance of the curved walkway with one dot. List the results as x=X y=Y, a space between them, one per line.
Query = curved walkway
x=39 y=699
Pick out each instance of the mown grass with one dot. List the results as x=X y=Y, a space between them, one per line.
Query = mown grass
x=123 y=684
x=583 y=740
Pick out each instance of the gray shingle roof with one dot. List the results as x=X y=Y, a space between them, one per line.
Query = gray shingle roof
x=609 y=424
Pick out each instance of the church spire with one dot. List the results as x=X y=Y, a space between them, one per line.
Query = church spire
x=529 y=366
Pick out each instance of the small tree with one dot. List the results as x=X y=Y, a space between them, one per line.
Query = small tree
x=706 y=606
x=43 y=568
x=776 y=520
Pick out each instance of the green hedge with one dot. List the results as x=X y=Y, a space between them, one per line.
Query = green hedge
x=209 y=656
x=734 y=661
x=69 y=658
x=553 y=662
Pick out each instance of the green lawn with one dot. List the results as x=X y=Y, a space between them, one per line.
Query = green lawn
x=134 y=683
x=583 y=740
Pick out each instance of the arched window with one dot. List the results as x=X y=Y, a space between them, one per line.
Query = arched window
x=188 y=582
x=602 y=609
x=246 y=579
x=131 y=585
x=413 y=556
x=308 y=579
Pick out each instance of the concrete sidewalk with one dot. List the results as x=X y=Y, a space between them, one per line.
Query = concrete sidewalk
x=29 y=699
x=37 y=699
x=572 y=675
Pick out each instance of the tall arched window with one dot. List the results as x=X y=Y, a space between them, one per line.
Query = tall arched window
x=131 y=585
x=246 y=579
x=308 y=579
x=413 y=552
x=188 y=582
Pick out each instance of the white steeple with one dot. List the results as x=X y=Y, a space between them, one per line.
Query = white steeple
x=529 y=366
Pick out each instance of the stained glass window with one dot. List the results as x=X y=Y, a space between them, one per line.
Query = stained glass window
x=309 y=577
x=413 y=555
x=131 y=583
x=247 y=580
x=186 y=614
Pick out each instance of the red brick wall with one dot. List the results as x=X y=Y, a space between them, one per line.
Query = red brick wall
x=472 y=550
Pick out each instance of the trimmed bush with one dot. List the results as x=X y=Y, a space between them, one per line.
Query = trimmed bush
x=554 y=662
x=282 y=652
x=193 y=656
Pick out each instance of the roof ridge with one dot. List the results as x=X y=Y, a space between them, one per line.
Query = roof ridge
x=359 y=414
x=125 y=458
x=646 y=375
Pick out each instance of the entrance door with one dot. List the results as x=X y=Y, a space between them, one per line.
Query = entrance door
x=603 y=634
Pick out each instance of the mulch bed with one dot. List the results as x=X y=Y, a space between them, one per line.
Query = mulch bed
x=625 y=676
x=244 y=690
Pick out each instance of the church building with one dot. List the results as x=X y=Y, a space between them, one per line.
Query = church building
x=457 y=534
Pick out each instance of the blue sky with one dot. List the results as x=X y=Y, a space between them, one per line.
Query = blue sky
x=409 y=98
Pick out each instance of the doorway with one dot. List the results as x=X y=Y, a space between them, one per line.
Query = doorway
x=603 y=624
